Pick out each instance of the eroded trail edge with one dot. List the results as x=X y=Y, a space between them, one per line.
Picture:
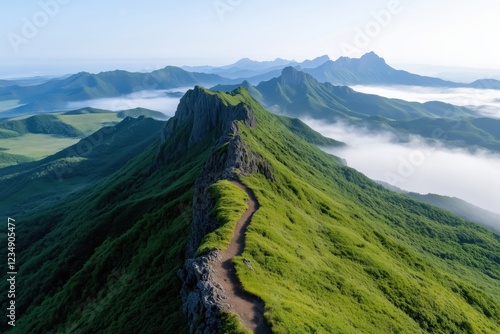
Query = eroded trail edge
x=249 y=308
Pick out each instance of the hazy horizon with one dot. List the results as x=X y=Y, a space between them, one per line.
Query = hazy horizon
x=401 y=31
x=57 y=70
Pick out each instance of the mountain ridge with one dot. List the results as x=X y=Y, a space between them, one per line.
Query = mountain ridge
x=53 y=94
x=323 y=233
x=370 y=69
x=297 y=93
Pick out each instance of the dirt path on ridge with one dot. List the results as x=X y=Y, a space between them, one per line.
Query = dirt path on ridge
x=249 y=308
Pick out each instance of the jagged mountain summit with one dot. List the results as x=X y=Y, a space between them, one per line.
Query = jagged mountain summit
x=246 y=68
x=326 y=250
x=370 y=69
x=298 y=94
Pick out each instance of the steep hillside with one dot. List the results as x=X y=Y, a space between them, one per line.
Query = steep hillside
x=40 y=183
x=327 y=250
x=462 y=208
x=298 y=94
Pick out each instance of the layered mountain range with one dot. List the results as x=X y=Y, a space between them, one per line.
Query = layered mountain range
x=370 y=69
x=133 y=248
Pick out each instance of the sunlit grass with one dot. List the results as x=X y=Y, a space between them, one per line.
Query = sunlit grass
x=89 y=123
x=332 y=251
x=230 y=204
x=36 y=146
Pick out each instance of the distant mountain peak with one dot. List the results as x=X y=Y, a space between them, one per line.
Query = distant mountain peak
x=372 y=58
x=371 y=54
x=291 y=76
x=367 y=58
x=318 y=61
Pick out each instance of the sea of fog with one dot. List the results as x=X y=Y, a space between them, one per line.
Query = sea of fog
x=418 y=167
x=165 y=101
x=413 y=166
x=486 y=101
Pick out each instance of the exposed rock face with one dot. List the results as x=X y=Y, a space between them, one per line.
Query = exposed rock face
x=203 y=299
x=203 y=116
x=229 y=159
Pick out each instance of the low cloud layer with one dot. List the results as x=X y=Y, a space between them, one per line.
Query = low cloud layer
x=417 y=167
x=165 y=101
x=486 y=101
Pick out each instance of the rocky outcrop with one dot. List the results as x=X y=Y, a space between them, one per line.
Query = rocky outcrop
x=229 y=159
x=203 y=299
x=203 y=116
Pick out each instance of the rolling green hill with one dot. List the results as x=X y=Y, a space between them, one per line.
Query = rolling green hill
x=41 y=124
x=39 y=183
x=36 y=137
x=331 y=251
x=461 y=133
x=137 y=112
x=54 y=94
x=298 y=94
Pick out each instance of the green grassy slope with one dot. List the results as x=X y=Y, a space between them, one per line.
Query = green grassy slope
x=32 y=147
x=298 y=94
x=336 y=253
x=116 y=247
x=41 y=124
x=36 y=137
x=463 y=132
x=230 y=204
x=462 y=208
x=7 y=159
x=27 y=186
x=332 y=251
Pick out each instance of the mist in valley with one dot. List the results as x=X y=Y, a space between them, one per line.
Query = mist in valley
x=165 y=101
x=416 y=166
x=485 y=101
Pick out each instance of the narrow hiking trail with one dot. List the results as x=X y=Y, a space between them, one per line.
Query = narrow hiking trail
x=249 y=308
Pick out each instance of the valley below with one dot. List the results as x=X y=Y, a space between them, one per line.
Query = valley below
x=289 y=197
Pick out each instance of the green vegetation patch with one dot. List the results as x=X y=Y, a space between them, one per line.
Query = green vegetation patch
x=36 y=146
x=333 y=252
x=231 y=324
x=230 y=204
x=90 y=122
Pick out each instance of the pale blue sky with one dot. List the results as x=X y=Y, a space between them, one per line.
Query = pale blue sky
x=152 y=34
